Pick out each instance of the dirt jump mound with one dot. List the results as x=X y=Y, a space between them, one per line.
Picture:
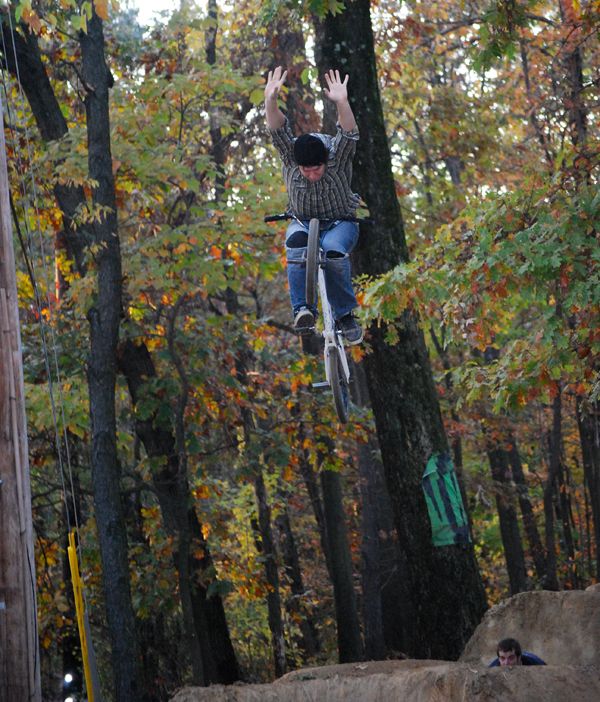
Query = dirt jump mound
x=561 y=627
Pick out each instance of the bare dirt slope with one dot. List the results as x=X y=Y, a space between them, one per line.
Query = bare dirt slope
x=560 y=627
x=563 y=628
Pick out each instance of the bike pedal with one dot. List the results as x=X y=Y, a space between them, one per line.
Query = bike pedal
x=322 y=384
x=305 y=331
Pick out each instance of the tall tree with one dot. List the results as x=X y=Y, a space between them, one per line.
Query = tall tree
x=528 y=515
x=209 y=642
x=350 y=647
x=588 y=422
x=405 y=404
x=104 y=318
x=507 y=514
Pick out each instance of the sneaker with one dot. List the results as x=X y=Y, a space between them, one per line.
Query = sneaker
x=304 y=321
x=351 y=329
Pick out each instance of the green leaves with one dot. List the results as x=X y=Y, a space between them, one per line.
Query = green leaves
x=320 y=8
x=498 y=32
x=523 y=278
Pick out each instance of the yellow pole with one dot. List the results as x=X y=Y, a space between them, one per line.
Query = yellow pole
x=80 y=610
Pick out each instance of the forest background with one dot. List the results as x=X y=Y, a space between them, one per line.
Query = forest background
x=258 y=534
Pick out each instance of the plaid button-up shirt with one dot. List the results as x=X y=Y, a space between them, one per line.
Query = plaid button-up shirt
x=330 y=197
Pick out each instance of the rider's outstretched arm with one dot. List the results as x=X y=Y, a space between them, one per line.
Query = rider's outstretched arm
x=275 y=80
x=337 y=92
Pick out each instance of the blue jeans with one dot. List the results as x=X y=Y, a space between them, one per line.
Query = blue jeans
x=338 y=238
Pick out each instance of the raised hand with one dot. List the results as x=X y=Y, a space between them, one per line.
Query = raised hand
x=275 y=81
x=336 y=90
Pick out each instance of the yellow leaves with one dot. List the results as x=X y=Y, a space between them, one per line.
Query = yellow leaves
x=150 y=512
x=233 y=253
x=257 y=96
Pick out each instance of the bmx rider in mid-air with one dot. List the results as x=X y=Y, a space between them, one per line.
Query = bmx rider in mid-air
x=317 y=170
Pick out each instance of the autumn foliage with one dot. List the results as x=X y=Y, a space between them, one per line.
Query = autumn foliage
x=492 y=116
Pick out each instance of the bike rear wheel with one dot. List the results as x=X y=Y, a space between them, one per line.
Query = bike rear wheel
x=339 y=384
x=312 y=262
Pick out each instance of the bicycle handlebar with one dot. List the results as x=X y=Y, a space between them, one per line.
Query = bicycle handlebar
x=286 y=215
x=277 y=218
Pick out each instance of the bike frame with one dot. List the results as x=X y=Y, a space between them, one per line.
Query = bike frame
x=331 y=336
x=336 y=362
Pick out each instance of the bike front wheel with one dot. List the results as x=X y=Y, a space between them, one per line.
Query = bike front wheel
x=339 y=384
x=312 y=262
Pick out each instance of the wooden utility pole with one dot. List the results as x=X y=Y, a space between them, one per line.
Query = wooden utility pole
x=19 y=653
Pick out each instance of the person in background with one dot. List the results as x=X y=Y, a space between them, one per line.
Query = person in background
x=509 y=653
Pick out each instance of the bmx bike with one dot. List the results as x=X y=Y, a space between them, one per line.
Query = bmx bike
x=337 y=369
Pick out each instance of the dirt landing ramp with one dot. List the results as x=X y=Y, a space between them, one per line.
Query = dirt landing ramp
x=413 y=681
x=560 y=627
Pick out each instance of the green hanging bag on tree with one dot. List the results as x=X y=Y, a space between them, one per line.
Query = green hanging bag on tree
x=444 y=502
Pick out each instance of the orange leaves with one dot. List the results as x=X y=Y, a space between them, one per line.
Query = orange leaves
x=288 y=471
x=182 y=248
x=32 y=20
x=201 y=492
x=228 y=252
x=101 y=7
x=564 y=277
x=500 y=288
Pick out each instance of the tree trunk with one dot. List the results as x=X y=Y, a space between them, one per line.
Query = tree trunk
x=350 y=646
x=267 y=545
x=104 y=319
x=295 y=605
x=180 y=520
x=573 y=61
x=567 y=521
x=372 y=609
x=331 y=521
x=509 y=526
x=456 y=443
x=29 y=70
x=158 y=655
x=382 y=582
x=269 y=557
x=588 y=422
x=312 y=488
x=533 y=536
x=405 y=405
x=554 y=439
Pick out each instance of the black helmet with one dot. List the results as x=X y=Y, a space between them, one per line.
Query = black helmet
x=309 y=150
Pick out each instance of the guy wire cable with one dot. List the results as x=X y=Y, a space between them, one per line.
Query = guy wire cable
x=89 y=662
x=37 y=294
